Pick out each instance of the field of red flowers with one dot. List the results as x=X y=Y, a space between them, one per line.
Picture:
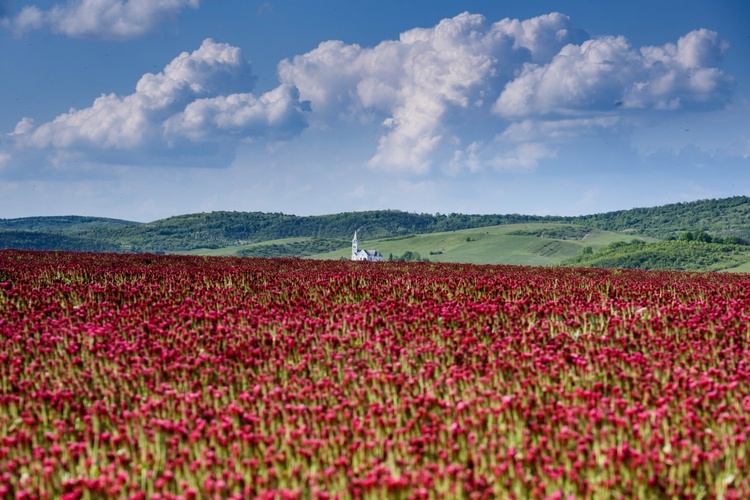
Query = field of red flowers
x=142 y=376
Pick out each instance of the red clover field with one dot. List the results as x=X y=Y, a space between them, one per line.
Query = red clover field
x=145 y=376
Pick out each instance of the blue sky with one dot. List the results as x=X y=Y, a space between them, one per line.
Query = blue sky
x=145 y=109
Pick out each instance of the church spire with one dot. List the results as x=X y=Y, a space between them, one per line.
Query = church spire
x=355 y=246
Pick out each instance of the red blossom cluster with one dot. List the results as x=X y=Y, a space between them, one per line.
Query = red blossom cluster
x=142 y=376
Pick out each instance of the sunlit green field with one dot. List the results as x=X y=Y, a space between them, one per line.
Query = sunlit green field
x=490 y=245
x=233 y=250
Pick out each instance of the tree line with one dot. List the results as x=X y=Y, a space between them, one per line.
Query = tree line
x=726 y=218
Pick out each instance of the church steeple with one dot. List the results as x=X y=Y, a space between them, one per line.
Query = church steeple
x=368 y=255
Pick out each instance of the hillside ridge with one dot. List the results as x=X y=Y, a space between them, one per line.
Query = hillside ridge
x=222 y=229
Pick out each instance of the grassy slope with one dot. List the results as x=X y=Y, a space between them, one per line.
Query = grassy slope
x=743 y=268
x=489 y=245
x=674 y=255
x=233 y=250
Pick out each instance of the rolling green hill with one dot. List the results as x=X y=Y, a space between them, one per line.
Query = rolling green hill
x=44 y=240
x=508 y=244
x=65 y=223
x=673 y=255
x=216 y=230
x=514 y=238
x=721 y=217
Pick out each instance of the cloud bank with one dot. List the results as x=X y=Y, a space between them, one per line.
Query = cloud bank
x=416 y=81
x=197 y=98
x=605 y=73
x=465 y=94
x=105 y=19
x=431 y=82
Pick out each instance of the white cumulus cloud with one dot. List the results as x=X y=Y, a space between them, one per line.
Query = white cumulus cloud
x=606 y=73
x=465 y=94
x=416 y=81
x=107 y=19
x=194 y=99
x=276 y=114
x=541 y=73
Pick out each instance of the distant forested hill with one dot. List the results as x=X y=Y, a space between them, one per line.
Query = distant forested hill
x=672 y=254
x=723 y=217
x=70 y=232
x=65 y=223
x=218 y=229
x=42 y=240
x=221 y=229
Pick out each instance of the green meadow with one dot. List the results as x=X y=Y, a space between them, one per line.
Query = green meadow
x=492 y=245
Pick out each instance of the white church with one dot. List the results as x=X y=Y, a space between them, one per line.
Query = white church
x=368 y=255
